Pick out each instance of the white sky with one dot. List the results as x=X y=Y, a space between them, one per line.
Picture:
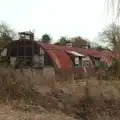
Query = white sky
x=69 y=18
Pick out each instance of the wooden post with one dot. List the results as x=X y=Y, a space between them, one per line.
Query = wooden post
x=9 y=54
x=17 y=51
x=24 y=52
x=32 y=52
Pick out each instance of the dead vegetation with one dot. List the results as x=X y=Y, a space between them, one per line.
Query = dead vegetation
x=30 y=97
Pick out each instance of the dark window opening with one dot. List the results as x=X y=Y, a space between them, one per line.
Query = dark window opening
x=21 y=51
x=47 y=60
x=21 y=43
x=36 y=50
x=13 y=52
x=28 y=51
x=28 y=42
x=77 y=61
x=80 y=61
x=73 y=61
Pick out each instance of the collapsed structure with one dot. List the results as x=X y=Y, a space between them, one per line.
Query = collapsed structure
x=65 y=60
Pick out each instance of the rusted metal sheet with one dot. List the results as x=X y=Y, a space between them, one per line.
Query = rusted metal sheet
x=61 y=59
x=47 y=46
x=55 y=51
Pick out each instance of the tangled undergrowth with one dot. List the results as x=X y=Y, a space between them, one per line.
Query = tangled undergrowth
x=26 y=93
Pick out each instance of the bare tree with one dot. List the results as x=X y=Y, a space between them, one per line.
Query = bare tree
x=6 y=33
x=79 y=41
x=111 y=35
x=97 y=46
x=115 y=5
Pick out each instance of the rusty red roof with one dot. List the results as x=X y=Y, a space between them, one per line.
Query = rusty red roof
x=105 y=55
x=90 y=51
x=59 y=57
x=47 y=46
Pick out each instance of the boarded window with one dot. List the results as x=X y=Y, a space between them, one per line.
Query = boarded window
x=47 y=60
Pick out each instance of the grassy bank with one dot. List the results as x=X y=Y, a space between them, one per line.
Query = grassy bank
x=29 y=96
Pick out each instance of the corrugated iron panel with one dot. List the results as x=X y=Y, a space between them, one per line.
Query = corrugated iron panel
x=78 y=50
x=61 y=59
x=87 y=52
x=47 y=46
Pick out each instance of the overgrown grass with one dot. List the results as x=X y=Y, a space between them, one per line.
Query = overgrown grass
x=16 y=86
x=90 y=99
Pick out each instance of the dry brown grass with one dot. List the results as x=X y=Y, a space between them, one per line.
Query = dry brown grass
x=16 y=86
x=7 y=112
x=29 y=94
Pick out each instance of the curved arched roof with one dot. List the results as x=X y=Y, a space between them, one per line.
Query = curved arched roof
x=59 y=57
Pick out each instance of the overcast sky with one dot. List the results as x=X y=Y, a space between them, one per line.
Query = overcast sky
x=69 y=18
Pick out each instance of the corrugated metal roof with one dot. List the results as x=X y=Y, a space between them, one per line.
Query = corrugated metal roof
x=109 y=56
x=59 y=57
x=47 y=46
x=67 y=48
